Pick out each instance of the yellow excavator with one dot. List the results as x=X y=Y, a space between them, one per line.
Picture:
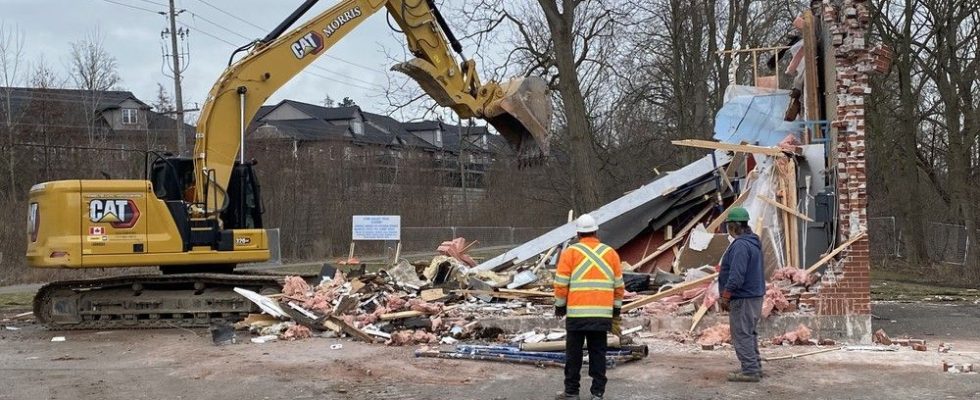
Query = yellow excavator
x=197 y=218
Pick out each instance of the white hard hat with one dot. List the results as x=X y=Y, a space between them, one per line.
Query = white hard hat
x=586 y=224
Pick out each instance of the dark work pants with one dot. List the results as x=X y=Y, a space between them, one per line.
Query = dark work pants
x=742 y=318
x=597 y=360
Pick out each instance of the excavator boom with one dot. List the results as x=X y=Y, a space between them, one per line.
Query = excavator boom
x=520 y=109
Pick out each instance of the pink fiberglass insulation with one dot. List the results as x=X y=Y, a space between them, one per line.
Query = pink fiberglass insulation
x=711 y=295
x=410 y=337
x=775 y=300
x=424 y=307
x=715 y=335
x=800 y=336
x=295 y=286
x=297 y=332
x=791 y=274
x=454 y=248
x=320 y=303
x=659 y=309
x=396 y=303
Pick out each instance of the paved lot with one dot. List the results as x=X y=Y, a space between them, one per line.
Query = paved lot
x=182 y=364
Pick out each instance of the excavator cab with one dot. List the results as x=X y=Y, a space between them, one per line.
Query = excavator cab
x=173 y=182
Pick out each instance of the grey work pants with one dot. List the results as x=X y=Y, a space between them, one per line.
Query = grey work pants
x=743 y=317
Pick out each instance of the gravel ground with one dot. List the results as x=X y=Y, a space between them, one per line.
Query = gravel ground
x=183 y=364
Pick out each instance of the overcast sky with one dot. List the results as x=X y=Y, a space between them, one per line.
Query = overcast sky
x=356 y=67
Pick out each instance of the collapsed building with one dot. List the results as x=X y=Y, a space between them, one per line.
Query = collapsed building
x=790 y=148
x=793 y=156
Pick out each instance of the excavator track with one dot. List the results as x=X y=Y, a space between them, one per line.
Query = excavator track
x=149 y=301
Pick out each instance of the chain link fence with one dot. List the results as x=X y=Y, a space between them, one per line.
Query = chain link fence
x=886 y=239
x=947 y=243
x=420 y=239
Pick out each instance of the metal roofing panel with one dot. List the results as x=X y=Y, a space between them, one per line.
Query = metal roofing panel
x=633 y=200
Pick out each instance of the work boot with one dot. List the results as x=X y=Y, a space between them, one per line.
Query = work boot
x=743 y=377
x=565 y=396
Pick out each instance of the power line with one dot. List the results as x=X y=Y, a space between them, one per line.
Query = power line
x=205 y=33
x=232 y=15
x=373 y=70
x=346 y=76
x=135 y=7
x=154 y=3
x=222 y=27
x=339 y=81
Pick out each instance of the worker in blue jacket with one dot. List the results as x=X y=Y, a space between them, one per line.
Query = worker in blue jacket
x=742 y=288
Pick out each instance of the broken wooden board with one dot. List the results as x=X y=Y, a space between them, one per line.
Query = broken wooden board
x=691 y=258
x=400 y=315
x=345 y=304
x=783 y=207
x=678 y=238
x=702 y=310
x=527 y=293
x=350 y=329
x=822 y=261
x=433 y=294
x=738 y=148
x=642 y=301
x=257 y=321
x=716 y=223
x=499 y=295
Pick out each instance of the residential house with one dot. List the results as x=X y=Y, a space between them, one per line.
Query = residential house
x=108 y=119
x=367 y=137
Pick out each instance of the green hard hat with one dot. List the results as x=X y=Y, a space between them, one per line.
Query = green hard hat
x=738 y=214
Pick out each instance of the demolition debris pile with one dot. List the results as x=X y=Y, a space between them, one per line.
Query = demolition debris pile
x=405 y=304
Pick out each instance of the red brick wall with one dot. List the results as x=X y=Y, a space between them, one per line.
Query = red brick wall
x=845 y=285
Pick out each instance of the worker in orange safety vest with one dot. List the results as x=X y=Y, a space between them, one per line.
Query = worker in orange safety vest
x=589 y=293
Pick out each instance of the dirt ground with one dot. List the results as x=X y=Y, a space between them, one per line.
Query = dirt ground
x=183 y=364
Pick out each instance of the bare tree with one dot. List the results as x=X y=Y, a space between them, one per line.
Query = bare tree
x=926 y=113
x=163 y=104
x=93 y=70
x=572 y=44
x=43 y=76
x=11 y=54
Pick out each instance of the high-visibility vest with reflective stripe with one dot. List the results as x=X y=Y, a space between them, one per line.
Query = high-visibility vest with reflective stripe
x=589 y=280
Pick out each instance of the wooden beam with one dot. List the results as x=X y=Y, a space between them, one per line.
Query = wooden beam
x=785 y=208
x=738 y=148
x=793 y=203
x=791 y=356
x=677 y=238
x=348 y=329
x=697 y=317
x=669 y=292
x=528 y=293
x=716 y=223
x=836 y=251
x=401 y=315
x=810 y=83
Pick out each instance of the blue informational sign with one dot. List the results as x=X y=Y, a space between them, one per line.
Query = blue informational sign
x=377 y=227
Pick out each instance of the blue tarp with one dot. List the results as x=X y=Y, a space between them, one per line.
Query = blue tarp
x=756 y=119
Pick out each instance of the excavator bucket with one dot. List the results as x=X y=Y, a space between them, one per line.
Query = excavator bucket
x=523 y=115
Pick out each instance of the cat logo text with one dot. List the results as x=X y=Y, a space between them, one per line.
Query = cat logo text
x=120 y=214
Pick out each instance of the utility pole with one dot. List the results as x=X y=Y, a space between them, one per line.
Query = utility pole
x=178 y=95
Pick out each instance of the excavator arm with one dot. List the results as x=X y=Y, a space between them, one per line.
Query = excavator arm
x=519 y=109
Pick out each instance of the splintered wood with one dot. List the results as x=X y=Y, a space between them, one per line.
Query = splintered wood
x=669 y=292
